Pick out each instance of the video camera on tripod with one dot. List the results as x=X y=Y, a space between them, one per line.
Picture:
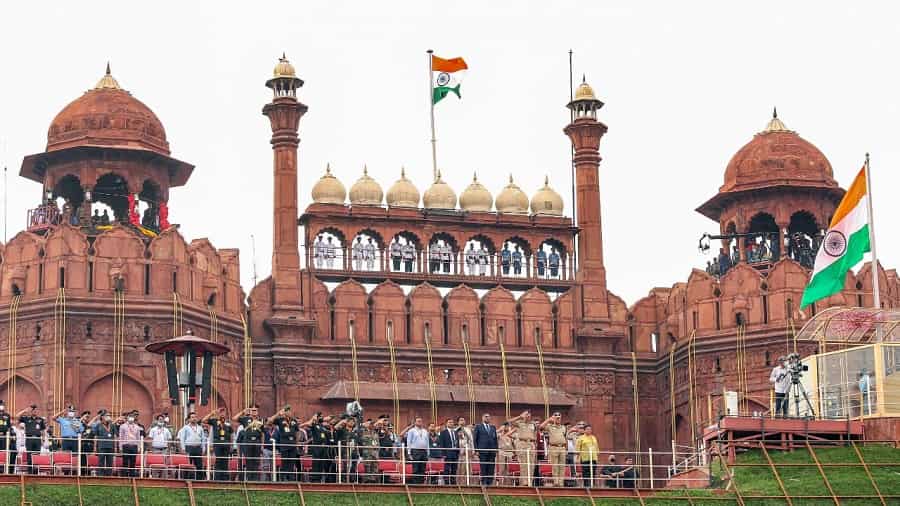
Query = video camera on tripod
x=795 y=367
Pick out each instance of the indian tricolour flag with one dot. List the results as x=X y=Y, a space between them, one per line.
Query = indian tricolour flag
x=845 y=243
x=445 y=77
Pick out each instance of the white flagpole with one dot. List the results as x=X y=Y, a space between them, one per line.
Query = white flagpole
x=431 y=102
x=876 y=294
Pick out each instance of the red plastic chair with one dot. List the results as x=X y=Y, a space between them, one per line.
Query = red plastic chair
x=433 y=469
x=181 y=462
x=43 y=463
x=156 y=462
x=118 y=466
x=387 y=466
x=62 y=462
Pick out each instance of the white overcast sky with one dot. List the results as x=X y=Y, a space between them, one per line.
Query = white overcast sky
x=686 y=84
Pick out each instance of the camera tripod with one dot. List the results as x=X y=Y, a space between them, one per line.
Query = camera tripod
x=796 y=391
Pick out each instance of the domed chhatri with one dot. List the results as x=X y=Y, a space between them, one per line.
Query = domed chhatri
x=107 y=116
x=547 y=202
x=476 y=197
x=439 y=195
x=512 y=200
x=366 y=191
x=777 y=156
x=403 y=193
x=328 y=189
x=584 y=91
x=284 y=68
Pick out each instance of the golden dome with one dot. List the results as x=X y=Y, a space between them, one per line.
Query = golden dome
x=284 y=68
x=512 y=199
x=366 y=191
x=107 y=82
x=328 y=189
x=403 y=193
x=439 y=195
x=546 y=201
x=476 y=197
x=585 y=92
x=775 y=124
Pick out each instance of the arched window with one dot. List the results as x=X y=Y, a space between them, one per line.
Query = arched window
x=763 y=245
x=148 y=205
x=550 y=260
x=478 y=256
x=515 y=257
x=69 y=191
x=328 y=250
x=803 y=238
x=366 y=251
x=404 y=252
x=112 y=189
x=442 y=254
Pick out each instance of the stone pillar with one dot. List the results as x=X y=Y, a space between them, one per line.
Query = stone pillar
x=284 y=113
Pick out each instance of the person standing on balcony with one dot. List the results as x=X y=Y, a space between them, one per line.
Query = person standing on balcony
x=780 y=378
x=541 y=262
x=191 y=439
x=554 y=263
x=69 y=429
x=130 y=435
x=396 y=254
x=369 y=254
x=357 y=254
x=483 y=257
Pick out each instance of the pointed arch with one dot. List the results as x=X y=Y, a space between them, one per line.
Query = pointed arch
x=27 y=393
x=98 y=394
x=425 y=307
x=388 y=304
x=537 y=318
x=350 y=306
x=462 y=311
x=499 y=317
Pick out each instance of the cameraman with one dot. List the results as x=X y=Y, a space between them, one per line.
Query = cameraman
x=781 y=380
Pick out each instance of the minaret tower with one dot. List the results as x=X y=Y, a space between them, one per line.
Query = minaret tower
x=585 y=132
x=284 y=112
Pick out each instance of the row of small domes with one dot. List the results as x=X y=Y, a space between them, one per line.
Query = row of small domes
x=403 y=193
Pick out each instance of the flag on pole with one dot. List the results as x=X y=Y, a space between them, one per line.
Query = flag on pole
x=446 y=76
x=845 y=243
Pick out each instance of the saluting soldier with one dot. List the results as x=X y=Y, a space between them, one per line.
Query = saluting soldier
x=471 y=260
x=367 y=442
x=319 y=437
x=7 y=437
x=524 y=433
x=556 y=439
x=286 y=428
x=251 y=441
x=220 y=428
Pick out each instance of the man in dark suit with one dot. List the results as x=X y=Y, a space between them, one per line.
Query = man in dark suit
x=448 y=441
x=486 y=446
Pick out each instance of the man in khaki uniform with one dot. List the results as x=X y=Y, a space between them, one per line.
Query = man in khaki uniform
x=557 y=447
x=505 y=454
x=523 y=435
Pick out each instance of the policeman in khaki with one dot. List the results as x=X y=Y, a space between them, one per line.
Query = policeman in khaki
x=523 y=434
x=506 y=452
x=558 y=446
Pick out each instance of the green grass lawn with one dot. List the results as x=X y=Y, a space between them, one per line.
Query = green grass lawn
x=803 y=480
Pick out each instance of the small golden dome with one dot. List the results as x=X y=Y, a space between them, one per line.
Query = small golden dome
x=366 y=191
x=476 y=197
x=107 y=82
x=439 y=195
x=284 y=68
x=546 y=201
x=775 y=124
x=585 y=92
x=403 y=193
x=328 y=189
x=512 y=199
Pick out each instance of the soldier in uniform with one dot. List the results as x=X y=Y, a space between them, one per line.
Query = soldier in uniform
x=446 y=257
x=369 y=253
x=409 y=253
x=517 y=261
x=434 y=258
x=285 y=428
x=504 y=259
x=87 y=436
x=557 y=443
x=471 y=260
x=318 y=252
x=541 y=262
x=367 y=443
x=251 y=440
x=506 y=452
x=482 y=261
x=396 y=254
x=344 y=431
x=320 y=437
x=220 y=427
x=524 y=433
x=329 y=254
x=7 y=438
x=554 y=263
x=357 y=254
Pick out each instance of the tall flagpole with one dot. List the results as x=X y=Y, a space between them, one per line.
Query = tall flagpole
x=572 y=157
x=434 y=168
x=876 y=294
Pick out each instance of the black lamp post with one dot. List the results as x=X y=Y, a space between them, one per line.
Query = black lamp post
x=184 y=378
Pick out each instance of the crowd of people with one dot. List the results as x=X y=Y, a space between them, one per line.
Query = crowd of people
x=765 y=248
x=441 y=257
x=322 y=448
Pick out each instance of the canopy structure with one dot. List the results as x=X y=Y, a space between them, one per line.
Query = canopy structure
x=853 y=325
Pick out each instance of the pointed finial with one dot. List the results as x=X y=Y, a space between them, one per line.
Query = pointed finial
x=475 y=177
x=365 y=170
x=546 y=180
x=510 y=179
x=328 y=168
x=283 y=55
x=402 y=172
x=107 y=82
x=583 y=79
x=438 y=176
x=774 y=113
x=108 y=72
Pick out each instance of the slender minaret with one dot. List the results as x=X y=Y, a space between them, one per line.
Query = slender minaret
x=585 y=132
x=284 y=112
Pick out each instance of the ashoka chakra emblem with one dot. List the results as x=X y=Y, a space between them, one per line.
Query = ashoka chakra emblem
x=835 y=243
x=443 y=78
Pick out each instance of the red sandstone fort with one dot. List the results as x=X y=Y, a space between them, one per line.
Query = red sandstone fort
x=439 y=305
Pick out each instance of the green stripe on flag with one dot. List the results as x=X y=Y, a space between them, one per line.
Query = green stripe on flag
x=440 y=92
x=830 y=280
